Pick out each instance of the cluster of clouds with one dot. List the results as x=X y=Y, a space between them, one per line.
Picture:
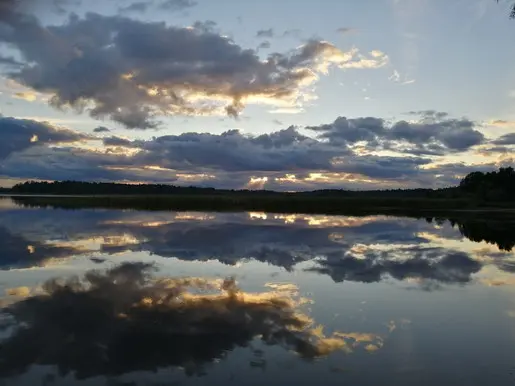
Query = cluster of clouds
x=350 y=153
x=63 y=7
x=133 y=72
x=434 y=134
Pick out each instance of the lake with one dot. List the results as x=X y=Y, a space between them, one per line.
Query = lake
x=122 y=297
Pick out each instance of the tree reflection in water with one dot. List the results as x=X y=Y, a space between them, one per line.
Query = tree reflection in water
x=496 y=232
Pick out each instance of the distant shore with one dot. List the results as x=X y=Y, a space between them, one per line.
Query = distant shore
x=491 y=194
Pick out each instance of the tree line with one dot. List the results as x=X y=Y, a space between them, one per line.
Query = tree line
x=492 y=186
x=486 y=187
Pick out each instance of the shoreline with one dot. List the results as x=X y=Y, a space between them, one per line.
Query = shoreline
x=412 y=207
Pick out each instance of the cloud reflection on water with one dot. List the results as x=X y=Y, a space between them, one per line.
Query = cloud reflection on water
x=361 y=249
x=126 y=319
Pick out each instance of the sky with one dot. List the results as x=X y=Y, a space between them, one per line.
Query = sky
x=282 y=95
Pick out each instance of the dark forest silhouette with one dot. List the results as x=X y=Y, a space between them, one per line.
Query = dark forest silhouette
x=492 y=186
x=495 y=188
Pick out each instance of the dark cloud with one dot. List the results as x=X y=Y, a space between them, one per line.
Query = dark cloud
x=285 y=151
x=138 y=6
x=9 y=8
x=163 y=5
x=117 y=141
x=507 y=139
x=383 y=167
x=264 y=45
x=265 y=33
x=429 y=114
x=9 y=61
x=231 y=159
x=65 y=163
x=176 y=5
x=101 y=129
x=431 y=135
x=125 y=320
x=133 y=72
x=62 y=7
x=343 y=130
x=345 y=30
x=454 y=134
x=17 y=135
x=296 y=33
x=233 y=151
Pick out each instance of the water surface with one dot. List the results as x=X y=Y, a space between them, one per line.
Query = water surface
x=175 y=298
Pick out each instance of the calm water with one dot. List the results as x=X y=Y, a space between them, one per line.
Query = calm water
x=253 y=299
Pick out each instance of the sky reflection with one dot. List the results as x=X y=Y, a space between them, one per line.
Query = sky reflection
x=361 y=249
x=136 y=298
x=124 y=320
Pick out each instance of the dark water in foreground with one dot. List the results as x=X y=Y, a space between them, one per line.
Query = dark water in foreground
x=253 y=299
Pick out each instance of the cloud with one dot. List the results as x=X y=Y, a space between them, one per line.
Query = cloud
x=26 y=96
x=139 y=6
x=343 y=130
x=265 y=33
x=264 y=45
x=429 y=114
x=507 y=139
x=233 y=151
x=21 y=292
x=9 y=61
x=287 y=110
x=71 y=163
x=453 y=134
x=395 y=77
x=345 y=30
x=501 y=123
x=433 y=132
x=135 y=72
x=101 y=129
x=295 y=32
x=343 y=154
x=136 y=322
x=8 y=8
x=21 y=134
x=163 y=5
x=176 y=5
x=383 y=167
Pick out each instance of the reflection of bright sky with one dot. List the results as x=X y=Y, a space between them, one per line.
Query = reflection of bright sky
x=433 y=328
x=91 y=242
